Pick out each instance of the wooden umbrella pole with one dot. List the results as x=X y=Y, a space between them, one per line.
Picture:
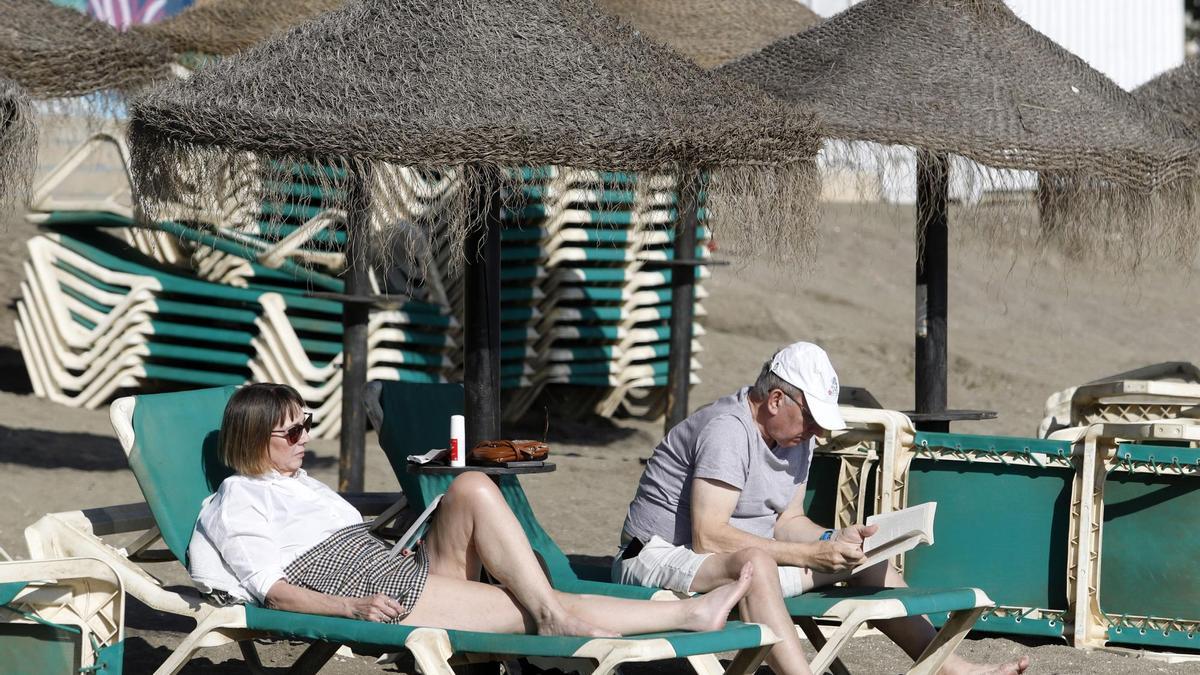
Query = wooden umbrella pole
x=932 y=263
x=355 y=317
x=481 y=314
x=683 y=298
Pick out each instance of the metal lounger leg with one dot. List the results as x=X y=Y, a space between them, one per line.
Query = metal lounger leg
x=314 y=658
x=946 y=641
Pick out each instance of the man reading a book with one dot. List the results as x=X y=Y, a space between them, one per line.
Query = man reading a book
x=726 y=487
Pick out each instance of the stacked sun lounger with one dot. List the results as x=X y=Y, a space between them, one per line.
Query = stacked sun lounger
x=604 y=308
x=95 y=318
x=583 y=303
x=1158 y=392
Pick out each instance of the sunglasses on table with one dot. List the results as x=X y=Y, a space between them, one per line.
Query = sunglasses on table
x=293 y=433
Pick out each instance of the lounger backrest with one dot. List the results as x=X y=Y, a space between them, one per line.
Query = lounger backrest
x=416 y=419
x=174 y=458
x=1017 y=510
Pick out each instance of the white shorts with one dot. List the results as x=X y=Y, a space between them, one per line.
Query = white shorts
x=661 y=564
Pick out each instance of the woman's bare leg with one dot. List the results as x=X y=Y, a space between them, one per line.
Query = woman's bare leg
x=629 y=617
x=474 y=526
x=454 y=603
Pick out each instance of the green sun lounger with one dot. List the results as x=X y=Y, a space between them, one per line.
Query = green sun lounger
x=999 y=498
x=170 y=441
x=411 y=423
x=61 y=617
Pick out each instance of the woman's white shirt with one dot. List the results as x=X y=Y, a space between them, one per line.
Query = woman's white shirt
x=255 y=526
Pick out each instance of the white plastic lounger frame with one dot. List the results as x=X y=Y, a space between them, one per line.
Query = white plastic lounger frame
x=83 y=593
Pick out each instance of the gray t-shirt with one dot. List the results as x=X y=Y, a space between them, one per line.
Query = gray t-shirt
x=721 y=442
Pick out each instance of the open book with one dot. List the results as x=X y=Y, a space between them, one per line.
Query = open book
x=899 y=531
x=417 y=528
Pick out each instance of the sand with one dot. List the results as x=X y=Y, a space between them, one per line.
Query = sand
x=1019 y=330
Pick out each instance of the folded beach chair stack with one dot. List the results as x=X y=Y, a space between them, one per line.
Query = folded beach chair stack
x=96 y=319
x=61 y=616
x=1161 y=391
x=91 y=187
x=601 y=308
x=585 y=298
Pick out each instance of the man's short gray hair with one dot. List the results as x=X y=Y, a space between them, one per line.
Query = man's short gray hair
x=768 y=380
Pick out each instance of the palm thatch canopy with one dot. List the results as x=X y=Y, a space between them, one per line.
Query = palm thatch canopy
x=714 y=32
x=1177 y=92
x=969 y=78
x=17 y=139
x=478 y=83
x=56 y=52
x=223 y=27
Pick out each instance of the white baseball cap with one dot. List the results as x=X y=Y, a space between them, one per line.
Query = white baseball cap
x=806 y=367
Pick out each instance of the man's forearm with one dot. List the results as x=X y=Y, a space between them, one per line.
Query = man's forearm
x=798 y=529
x=725 y=538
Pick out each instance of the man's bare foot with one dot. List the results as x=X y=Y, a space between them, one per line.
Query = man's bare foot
x=961 y=667
x=563 y=623
x=711 y=610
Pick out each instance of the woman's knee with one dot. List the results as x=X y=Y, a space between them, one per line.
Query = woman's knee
x=473 y=486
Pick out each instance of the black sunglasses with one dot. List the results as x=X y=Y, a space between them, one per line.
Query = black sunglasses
x=293 y=433
x=809 y=420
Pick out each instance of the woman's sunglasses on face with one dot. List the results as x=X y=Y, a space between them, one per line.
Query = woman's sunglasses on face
x=293 y=433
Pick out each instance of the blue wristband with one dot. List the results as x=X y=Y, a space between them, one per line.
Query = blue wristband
x=826 y=535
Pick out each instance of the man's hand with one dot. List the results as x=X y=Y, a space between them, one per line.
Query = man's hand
x=855 y=534
x=379 y=608
x=835 y=556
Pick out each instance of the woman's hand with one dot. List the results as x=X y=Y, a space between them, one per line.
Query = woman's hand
x=379 y=608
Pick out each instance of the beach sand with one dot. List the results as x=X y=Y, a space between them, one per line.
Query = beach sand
x=1019 y=331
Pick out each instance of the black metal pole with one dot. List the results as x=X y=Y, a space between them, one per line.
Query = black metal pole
x=933 y=186
x=355 y=316
x=683 y=298
x=481 y=315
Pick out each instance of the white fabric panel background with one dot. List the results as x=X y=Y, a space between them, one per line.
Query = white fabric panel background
x=1130 y=41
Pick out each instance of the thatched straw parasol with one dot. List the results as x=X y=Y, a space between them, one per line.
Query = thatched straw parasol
x=1177 y=92
x=714 y=32
x=17 y=139
x=56 y=52
x=477 y=85
x=968 y=78
x=711 y=33
x=223 y=27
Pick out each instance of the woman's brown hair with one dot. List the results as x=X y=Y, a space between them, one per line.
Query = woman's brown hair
x=251 y=415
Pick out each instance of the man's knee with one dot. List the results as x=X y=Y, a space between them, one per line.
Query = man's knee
x=764 y=565
x=875 y=575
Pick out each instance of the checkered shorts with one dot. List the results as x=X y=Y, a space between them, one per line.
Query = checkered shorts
x=353 y=562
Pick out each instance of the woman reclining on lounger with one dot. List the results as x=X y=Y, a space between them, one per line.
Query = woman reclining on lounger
x=275 y=536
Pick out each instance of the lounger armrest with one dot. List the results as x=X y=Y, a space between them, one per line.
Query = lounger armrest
x=119 y=519
x=372 y=503
x=69 y=534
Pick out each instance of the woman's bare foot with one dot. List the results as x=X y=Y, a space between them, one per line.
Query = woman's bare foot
x=961 y=667
x=563 y=623
x=711 y=610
